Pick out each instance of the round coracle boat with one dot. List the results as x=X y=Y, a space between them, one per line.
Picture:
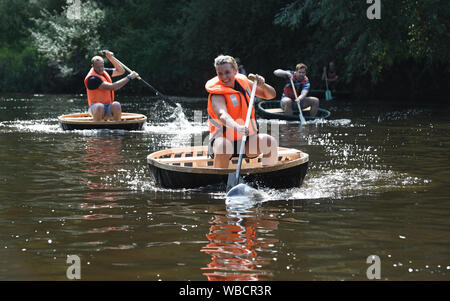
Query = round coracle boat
x=271 y=110
x=84 y=121
x=191 y=167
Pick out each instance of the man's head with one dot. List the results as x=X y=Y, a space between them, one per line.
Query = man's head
x=226 y=69
x=98 y=64
x=332 y=66
x=300 y=71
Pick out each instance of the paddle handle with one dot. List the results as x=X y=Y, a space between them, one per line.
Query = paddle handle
x=326 y=78
x=300 y=114
x=247 y=122
x=123 y=65
x=293 y=88
x=147 y=84
x=252 y=98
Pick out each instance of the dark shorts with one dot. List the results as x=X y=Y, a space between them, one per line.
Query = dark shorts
x=293 y=104
x=236 y=149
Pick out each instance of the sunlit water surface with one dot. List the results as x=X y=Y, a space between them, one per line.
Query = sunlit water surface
x=378 y=184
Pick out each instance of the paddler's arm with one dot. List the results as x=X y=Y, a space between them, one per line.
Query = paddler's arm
x=302 y=95
x=263 y=90
x=118 y=68
x=220 y=108
x=283 y=73
x=118 y=84
x=304 y=92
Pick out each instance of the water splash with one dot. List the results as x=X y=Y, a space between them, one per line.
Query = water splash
x=244 y=196
x=345 y=183
x=317 y=122
x=47 y=126
x=176 y=122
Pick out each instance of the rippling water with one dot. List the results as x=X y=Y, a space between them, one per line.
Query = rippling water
x=378 y=184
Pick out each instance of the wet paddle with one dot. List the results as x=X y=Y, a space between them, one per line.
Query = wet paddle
x=165 y=98
x=233 y=178
x=300 y=113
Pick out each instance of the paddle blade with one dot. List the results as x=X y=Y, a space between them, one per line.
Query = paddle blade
x=242 y=190
x=328 y=96
x=302 y=118
x=233 y=181
x=300 y=115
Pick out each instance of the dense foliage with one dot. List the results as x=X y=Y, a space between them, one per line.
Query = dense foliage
x=46 y=45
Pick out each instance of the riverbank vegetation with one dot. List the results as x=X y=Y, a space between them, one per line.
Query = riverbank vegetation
x=46 y=45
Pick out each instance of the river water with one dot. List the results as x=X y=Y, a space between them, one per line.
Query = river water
x=378 y=184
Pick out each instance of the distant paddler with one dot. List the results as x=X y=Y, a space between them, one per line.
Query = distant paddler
x=228 y=101
x=291 y=100
x=100 y=88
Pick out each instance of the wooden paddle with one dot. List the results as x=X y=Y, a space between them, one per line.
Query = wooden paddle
x=300 y=113
x=165 y=98
x=233 y=178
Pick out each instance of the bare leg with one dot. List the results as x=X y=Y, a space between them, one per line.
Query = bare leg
x=268 y=145
x=97 y=111
x=116 y=111
x=313 y=102
x=223 y=150
x=265 y=144
x=286 y=104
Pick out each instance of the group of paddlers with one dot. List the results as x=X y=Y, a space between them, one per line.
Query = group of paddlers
x=228 y=104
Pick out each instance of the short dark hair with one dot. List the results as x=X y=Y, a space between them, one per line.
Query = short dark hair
x=301 y=66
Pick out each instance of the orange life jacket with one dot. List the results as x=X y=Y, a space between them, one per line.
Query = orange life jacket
x=99 y=95
x=237 y=107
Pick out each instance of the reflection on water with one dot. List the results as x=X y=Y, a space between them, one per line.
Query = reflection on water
x=236 y=245
x=378 y=183
x=102 y=157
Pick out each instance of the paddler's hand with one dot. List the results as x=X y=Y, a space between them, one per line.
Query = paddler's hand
x=290 y=75
x=261 y=80
x=108 y=53
x=132 y=75
x=243 y=130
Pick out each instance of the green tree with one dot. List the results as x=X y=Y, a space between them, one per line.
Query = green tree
x=21 y=69
x=67 y=39
x=409 y=33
